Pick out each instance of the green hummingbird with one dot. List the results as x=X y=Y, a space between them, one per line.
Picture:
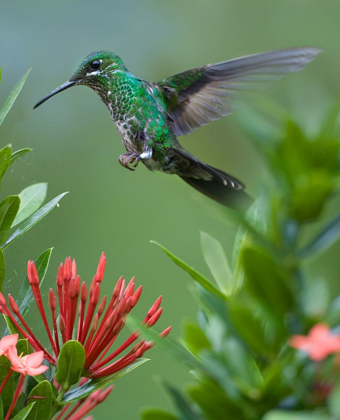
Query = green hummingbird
x=150 y=115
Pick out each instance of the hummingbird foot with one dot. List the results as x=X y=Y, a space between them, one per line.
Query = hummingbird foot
x=129 y=161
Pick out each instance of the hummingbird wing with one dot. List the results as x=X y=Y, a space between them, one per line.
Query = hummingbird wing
x=198 y=96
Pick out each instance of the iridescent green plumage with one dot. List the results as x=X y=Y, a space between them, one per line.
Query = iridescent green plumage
x=150 y=116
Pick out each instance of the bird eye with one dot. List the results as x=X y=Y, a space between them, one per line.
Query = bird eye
x=96 y=64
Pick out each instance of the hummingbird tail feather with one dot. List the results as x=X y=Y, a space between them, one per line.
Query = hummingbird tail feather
x=214 y=183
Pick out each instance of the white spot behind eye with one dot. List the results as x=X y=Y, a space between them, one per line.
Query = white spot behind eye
x=93 y=73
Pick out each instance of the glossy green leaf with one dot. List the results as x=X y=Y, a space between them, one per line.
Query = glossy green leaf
x=267 y=282
x=323 y=240
x=8 y=209
x=42 y=407
x=214 y=402
x=242 y=366
x=217 y=262
x=250 y=328
x=156 y=414
x=8 y=391
x=1 y=409
x=185 y=411
x=10 y=327
x=2 y=269
x=12 y=97
x=5 y=160
x=23 y=346
x=32 y=220
x=24 y=413
x=25 y=296
x=317 y=185
x=195 y=275
x=70 y=364
x=194 y=338
x=295 y=415
x=18 y=154
x=94 y=384
x=31 y=198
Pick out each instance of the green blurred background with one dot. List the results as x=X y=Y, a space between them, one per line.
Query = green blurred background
x=76 y=145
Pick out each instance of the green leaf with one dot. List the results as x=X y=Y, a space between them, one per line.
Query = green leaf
x=10 y=327
x=195 y=339
x=214 y=402
x=42 y=407
x=8 y=391
x=242 y=366
x=317 y=185
x=22 y=346
x=250 y=328
x=217 y=262
x=32 y=220
x=1 y=409
x=2 y=269
x=8 y=209
x=70 y=364
x=323 y=240
x=267 y=282
x=18 y=154
x=195 y=275
x=94 y=384
x=12 y=97
x=185 y=411
x=5 y=159
x=31 y=198
x=25 y=296
x=156 y=414
x=295 y=415
x=23 y=414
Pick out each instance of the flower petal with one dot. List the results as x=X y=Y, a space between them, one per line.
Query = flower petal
x=36 y=371
x=7 y=341
x=33 y=360
x=12 y=355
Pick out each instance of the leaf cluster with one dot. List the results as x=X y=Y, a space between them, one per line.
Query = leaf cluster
x=238 y=350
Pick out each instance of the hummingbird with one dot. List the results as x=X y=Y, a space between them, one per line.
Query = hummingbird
x=151 y=115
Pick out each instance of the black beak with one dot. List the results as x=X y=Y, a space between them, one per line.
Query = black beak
x=62 y=87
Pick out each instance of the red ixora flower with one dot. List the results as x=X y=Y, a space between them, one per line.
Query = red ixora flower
x=319 y=343
x=95 y=328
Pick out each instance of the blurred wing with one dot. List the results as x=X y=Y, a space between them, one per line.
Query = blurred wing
x=204 y=94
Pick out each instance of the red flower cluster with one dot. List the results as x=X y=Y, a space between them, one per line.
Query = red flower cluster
x=95 y=328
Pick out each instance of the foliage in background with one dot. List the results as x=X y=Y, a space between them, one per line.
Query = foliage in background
x=23 y=210
x=238 y=351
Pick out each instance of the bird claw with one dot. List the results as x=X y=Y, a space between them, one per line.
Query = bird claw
x=129 y=161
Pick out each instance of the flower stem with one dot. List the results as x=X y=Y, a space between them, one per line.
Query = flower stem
x=15 y=397
x=5 y=380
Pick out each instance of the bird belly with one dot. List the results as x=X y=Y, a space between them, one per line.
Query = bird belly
x=127 y=137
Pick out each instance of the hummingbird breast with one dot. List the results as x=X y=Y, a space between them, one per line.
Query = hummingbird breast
x=141 y=119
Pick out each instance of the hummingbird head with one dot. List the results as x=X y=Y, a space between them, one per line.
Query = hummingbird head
x=94 y=71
